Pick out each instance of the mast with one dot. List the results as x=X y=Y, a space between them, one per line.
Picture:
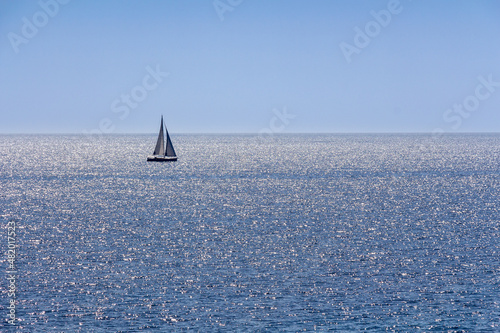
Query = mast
x=160 y=146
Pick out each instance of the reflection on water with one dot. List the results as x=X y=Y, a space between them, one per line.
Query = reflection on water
x=297 y=232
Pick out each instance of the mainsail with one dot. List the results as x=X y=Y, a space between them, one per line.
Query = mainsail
x=160 y=145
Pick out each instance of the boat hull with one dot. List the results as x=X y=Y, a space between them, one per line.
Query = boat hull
x=162 y=158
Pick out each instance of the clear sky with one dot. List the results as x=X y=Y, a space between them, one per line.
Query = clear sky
x=248 y=66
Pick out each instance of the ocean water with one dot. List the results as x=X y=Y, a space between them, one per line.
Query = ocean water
x=288 y=233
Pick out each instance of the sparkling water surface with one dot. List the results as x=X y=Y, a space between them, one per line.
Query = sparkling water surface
x=286 y=233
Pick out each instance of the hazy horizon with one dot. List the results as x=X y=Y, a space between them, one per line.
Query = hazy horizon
x=251 y=134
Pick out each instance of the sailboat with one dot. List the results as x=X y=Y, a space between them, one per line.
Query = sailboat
x=163 y=153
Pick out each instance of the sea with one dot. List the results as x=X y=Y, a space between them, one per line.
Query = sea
x=282 y=233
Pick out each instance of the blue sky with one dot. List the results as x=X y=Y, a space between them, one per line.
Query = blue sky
x=228 y=66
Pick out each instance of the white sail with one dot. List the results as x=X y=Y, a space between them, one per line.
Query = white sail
x=160 y=145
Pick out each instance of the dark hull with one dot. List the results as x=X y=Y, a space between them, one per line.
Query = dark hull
x=162 y=158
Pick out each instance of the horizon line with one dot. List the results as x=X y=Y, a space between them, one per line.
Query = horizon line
x=240 y=133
